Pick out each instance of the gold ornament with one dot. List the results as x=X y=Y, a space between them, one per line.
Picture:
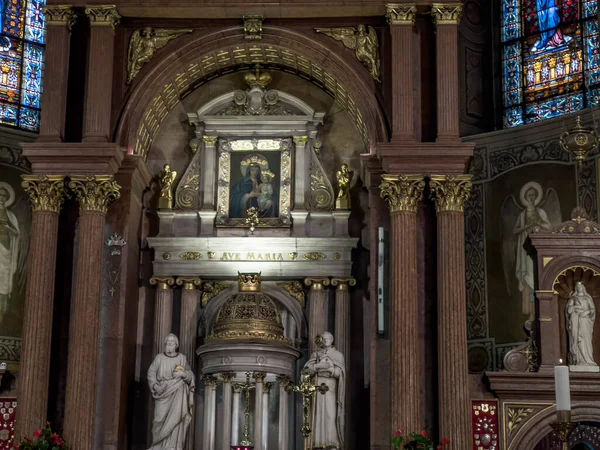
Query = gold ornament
x=403 y=192
x=144 y=43
x=365 y=44
x=211 y=141
x=343 y=178
x=60 y=15
x=190 y=256
x=210 y=380
x=253 y=26
x=285 y=382
x=189 y=283
x=579 y=141
x=166 y=188
x=94 y=193
x=317 y=283
x=252 y=218
x=162 y=283
x=343 y=284
x=300 y=141
x=103 y=15
x=249 y=282
x=446 y=14
x=258 y=78
x=46 y=193
x=450 y=192
x=259 y=376
x=211 y=289
x=227 y=377
x=404 y=14
x=294 y=288
x=314 y=256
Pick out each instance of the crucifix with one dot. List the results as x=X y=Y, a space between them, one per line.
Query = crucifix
x=308 y=390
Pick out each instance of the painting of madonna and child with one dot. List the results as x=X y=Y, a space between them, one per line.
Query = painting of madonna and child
x=255 y=180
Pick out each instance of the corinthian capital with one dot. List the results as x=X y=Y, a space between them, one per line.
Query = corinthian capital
x=94 y=193
x=402 y=192
x=446 y=13
x=450 y=192
x=401 y=14
x=46 y=193
x=60 y=15
x=103 y=15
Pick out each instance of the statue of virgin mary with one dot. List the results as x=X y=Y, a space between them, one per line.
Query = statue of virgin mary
x=581 y=315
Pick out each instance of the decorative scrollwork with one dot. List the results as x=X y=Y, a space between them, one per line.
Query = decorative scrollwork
x=46 y=193
x=95 y=192
x=516 y=416
x=446 y=14
x=403 y=192
x=322 y=196
x=450 y=192
x=295 y=289
x=211 y=289
x=187 y=194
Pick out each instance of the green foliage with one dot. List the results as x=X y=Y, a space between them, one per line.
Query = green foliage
x=43 y=439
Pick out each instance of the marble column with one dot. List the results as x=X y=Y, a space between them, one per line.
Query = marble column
x=451 y=193
x=259 y=377
x=235 y=414
x=163 y=311
x=94 y=194
x=98 y=97
x=225 y=425
x=210 y=412
x=285 y=388
x=302 y=166
x=46 y=194
x=403 y=193
x=318 y=317
x=59 y=19
x=446 y=18
x=401 y=18
x=209 y=172
x=265 y=426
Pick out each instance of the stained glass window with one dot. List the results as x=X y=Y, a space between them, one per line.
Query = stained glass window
x=551 y=58
x=22 y=40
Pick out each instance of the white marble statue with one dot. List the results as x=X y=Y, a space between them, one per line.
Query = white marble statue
x=9 y=244
x=326 y=366
x=581 y=314
x=172 y=384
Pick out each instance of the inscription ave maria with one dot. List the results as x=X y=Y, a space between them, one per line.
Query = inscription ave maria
x=251 y=256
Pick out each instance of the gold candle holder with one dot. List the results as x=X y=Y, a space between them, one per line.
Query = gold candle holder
x=563 y=426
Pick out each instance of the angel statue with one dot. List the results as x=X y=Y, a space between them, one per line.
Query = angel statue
x=143 y=45
x=166 y=188
x=365 y=43
x=343 y=178
x=534 y=213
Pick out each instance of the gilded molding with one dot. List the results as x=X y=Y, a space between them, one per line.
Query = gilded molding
x=401 y=14
x=294 y=288
x=189 y=283
x=210 y=380
x=314 y=256
x=450 y=192
x=190 y=256
x=316 y=283
x=446 y=13
x=162 y=283
x=210 y=141
x=103 y=15
x=259 y=376
x=60 y=15
x=402 y=192
x=253 y=26
x=46 y=193
x=227 y=377
x=343 y=284
x=300 y=141
x=94 y=193
x=211 y=289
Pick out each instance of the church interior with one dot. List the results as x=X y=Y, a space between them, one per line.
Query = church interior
x=298 y=225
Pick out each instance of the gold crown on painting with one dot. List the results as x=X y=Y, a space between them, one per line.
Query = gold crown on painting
x=258 y=79
x=249 y=282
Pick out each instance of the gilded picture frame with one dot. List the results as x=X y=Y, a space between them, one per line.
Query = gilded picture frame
x=254 y=173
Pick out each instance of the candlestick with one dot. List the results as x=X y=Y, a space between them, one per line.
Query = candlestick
x=562 y=388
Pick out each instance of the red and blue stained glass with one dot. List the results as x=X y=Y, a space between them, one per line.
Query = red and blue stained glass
x=551 y=58
x=22 y=39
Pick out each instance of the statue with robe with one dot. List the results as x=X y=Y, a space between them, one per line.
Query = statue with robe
x=581 y=315
x=327 y=369
x=172 y=384
x=9 y=245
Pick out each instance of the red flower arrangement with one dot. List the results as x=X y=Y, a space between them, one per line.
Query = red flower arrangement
x=43 y=439
x=416 y=441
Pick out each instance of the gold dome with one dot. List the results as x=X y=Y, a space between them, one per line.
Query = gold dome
x=249 y=314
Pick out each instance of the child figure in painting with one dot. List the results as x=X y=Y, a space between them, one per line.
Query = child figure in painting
x=265 y=201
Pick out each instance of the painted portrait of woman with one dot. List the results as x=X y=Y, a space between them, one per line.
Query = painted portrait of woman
x=254 y=190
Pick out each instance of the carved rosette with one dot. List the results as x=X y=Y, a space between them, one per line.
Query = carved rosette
x=446 y=13
x=94 y=193
x=103 y=15
x=60 y=15
x=450 y=192
x=46 y=193
x=404 y=14
x=402 y=192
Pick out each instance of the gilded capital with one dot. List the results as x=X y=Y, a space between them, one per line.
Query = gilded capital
x=103 y=15
x=210 y=380
x=316 y=283
x=450 y=192
x=210 y=140
x=446 y=13
x=343 y=284
x=94 y=193
x=300 y=141
x=46 y=193
x=267 y=387
x=189 y=283
x=401 y=14
x=403 y=192
x=60 y=15
x=227 y=377
x=162 y=283
x=259 y=376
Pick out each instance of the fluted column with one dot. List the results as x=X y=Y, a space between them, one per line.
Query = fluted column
x=402 y=19
x=209 y=172
x=225 y=425
x=46 y=194
x=454 y=405
x=403 y=193
x=94 y=193
x=163 y=311
x=446 y=18
x=259 y=377
x=97 y=114
x=265 y=423
x=285 y=387
x=59 y=19
x=318 y=308
x=235 y=414
x=302 y=165
x=210 y=412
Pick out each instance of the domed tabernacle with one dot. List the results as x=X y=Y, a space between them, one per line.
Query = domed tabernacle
x=249 y=314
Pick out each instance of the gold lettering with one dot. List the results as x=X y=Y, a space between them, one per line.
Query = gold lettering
x=279 y=257
x=223 y=257
x=238 y=257
x=250 y=256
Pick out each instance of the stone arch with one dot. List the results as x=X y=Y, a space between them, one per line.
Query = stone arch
x=161 y=85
